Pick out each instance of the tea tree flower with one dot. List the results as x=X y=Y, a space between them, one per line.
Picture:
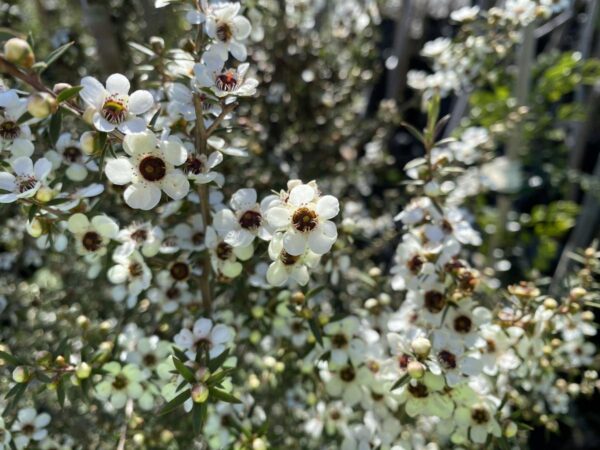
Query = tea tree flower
x=69 y=152
x=27 y=179
x=92 y=236
x=224 y=257
x=245 y=222
x=210 y=73
x=14 y=136
x=204 y=336
x=113 y=107
x=130 y=270
x=150 y=168
x=286 y=266
x=304 y=216
x=120 y=384
x=227 y=28
x=30 y=426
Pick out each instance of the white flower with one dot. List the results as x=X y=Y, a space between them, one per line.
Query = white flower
x=286 y=266
x=224 y=257
x=245 y=222
x=348 y=382
x=204 y=336
x=5 y=436
x=450 y=357
x=426 y=397
x=140 y=236
x=149 y=168
x=478 y=421
x=304 y=218
x=190 y=236
x=149 y=353
x=114 y=107
x=14 y=136
x=340 y=338
x=92 y=236
x=227 y=28
x=30 y=426
x=210 y=73
x=68 y=151
x=170 y=294
x=199 y=167
x=131 y=269
x=27 y=178
x=120 y=384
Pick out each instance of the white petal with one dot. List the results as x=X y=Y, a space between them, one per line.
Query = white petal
x=7 y=181
x=174 y=151
x=278 y=217
x=119 y=170
x=328 y=207
x=117 y=84
x=102 y=124
x=202 y=327
x=106 y=226
x=133 y=125
x=294 y=243
x=140 y=102
x=243 y=199
x=93 y=93
x=42 y=420
x=301 y=195
x=319 y=242
x=23 y=166
x=140 y=142
x=276 y=274
x=238 y=51
x=176 y=185
x=242 y=27
x=142 y=196
x=78 y=223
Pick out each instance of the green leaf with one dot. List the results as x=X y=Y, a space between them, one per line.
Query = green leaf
x=316 y=330
x=218 y=377
x=175 y=403
x=224 y=396
x=184 y=370
x=60 y=393
x=16 y=391
x=141 y=48
x=401 y=382
x=198 y=417
x=54 y=128
x=9 y=358
x=217 y=362
x=313 y=292
x=53 y=56
x=180 y=354
x=68 y=93
x=32 y=211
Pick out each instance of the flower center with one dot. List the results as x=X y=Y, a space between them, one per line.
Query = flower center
x=250 y=220
x=447 y=359
x=150 y=360
x=114 y=111
x=347 y=374
x=153 y=168
x=140 y=235
x=419 y=390
x=224 y=250
x=26 y=183
x=198 y=238
x=72 y=154
x=227 y=81
x=462 y=324
x=193 y=165
x=480 y=415
x=9 y=130
x=415 y=263
x=91 y=241
x=28 y=429
x=180 y=271
x=304 y=219
x=224 y=32
x=339 y=340
x=403 y=360
x=287 y=259
x=434 y=301
x=173 y=293
x=120 y=382
x=135 y=269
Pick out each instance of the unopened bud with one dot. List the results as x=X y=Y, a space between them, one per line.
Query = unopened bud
x=87 y=141
x=45 y=194
x=577 y=293
x=587 y=316
x=415 y=369
x=83 y=371
x=510 y=430
x=19 y=52
x=21 y=374
x=35 y=228
x=41 y=105
x=550 y=303
x=199 y=393
x=298 y=298
x=421 y=346
x=59 y=87
x=259 y=444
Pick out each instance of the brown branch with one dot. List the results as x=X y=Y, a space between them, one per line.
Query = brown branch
x=226 y=109
x=202 y=149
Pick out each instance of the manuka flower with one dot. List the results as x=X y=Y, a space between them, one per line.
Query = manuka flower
x=27 y=178
x=210 y=73
x=150 y=168
x=114 y=107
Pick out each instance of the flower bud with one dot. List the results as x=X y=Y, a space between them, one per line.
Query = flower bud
x=550 y=303
x=415 y=369
x=258 y=312
x=199 y=393
x=83 y=371
x=21 y=374
x=587 y=316
x=577 y=293
x=88 y=115
x=35 y=228
x=41 y=105
x=44 y=194
x=510 y=430
x=19 y=52
x=59 y=87
x=259 y=444
x=298 y=298
x=421 y=346
x=87 y=141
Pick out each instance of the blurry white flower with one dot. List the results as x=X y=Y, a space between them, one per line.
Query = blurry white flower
x=27 y=178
